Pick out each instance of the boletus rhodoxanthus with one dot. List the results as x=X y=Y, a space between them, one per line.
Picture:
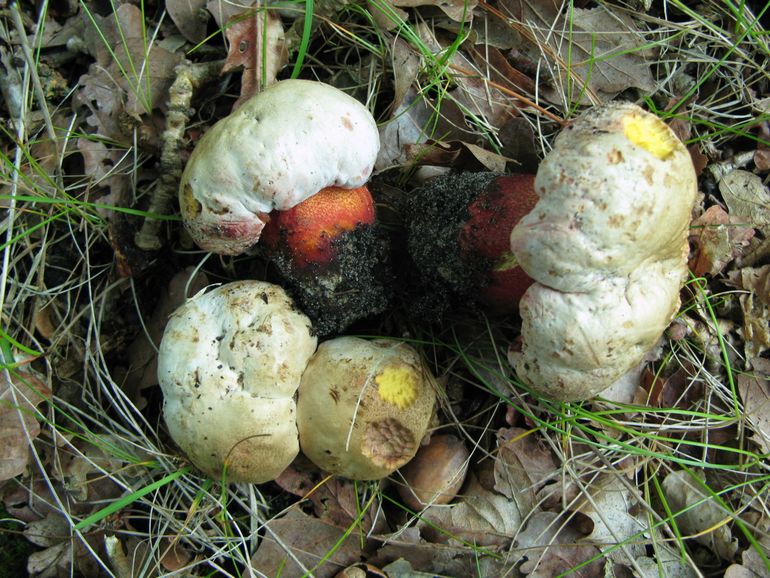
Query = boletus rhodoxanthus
x=459 y=228
x=364 y=406
x=607 y=245
x=229 y=366
x=294 y=160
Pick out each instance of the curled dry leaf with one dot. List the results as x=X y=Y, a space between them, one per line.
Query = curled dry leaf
x=21 y=391
x=704 y=519
x=717 y=238
x=258 y=45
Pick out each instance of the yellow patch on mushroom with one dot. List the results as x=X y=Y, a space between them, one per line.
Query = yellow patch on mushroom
x=397 y=385
x=650 y=133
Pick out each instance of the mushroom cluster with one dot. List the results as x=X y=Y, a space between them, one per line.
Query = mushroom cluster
x=230 y=364
x=607 y=245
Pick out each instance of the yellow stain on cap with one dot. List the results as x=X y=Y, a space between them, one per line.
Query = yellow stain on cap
x=650 y=133
x=397 y=385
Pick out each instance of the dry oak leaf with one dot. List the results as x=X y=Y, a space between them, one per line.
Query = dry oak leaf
x=756 y=308
x=479 y=516
x=297 y=544
x=522 y=466
x=549 y=547
x=755 y=393
x=21 y=391
x=603 y=47
x=717 y=238
x=705 y=519
x=457 y=10
x=747 y=197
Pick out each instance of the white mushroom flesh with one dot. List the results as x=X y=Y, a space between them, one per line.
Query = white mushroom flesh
x=229 y=366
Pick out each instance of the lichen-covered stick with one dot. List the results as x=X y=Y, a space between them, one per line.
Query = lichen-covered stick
x=607 y=245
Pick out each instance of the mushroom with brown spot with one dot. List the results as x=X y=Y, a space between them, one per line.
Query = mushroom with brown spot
x=364 y=406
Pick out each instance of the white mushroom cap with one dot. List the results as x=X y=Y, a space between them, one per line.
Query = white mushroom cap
x=279 y=148
x=229 y=365
x=607 y=245
x=363 y=407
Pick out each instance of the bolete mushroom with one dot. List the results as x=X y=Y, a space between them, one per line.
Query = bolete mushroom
x=607 y=245
x=277 y=149
x=363 y=406
x=229 y=366
x=329 y=251
x=459 y=238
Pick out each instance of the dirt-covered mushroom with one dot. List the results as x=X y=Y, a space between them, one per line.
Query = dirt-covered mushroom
x=229 y=366
x=459 y=239
x=607 y=245
x=280 y=147
x=363 y=407
x=330 y=252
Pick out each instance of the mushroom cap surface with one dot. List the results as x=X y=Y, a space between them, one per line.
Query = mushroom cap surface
x=280 y=147
x=229 y=365
x=607 y=245
x=363 y=407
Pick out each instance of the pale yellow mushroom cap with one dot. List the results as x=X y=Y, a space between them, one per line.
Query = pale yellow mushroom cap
x=607 y=245
x=363 y=407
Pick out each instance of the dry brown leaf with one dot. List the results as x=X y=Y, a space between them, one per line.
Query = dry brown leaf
x=457 y=155
x=756 y=308
x=335 y=502
x=129 y=75
x=522 y=466
x=190 y=17
x=438 y=559
x=747 y=198
x=755 y=393
x=258 y=45
x=548 y=547
x=611 y=509
x=21 y=391
x=457 y=10
x=479 y=516
x=706 y=520
x=717 y=238
x=309 y=540
x=405 y=127
x=600 y=47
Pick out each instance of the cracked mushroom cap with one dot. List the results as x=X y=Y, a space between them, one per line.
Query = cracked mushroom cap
x=279 y=148
x=229 y=366
x=607 y=246
x=363 y=407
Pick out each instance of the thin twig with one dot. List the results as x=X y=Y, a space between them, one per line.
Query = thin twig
x=189 y=77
